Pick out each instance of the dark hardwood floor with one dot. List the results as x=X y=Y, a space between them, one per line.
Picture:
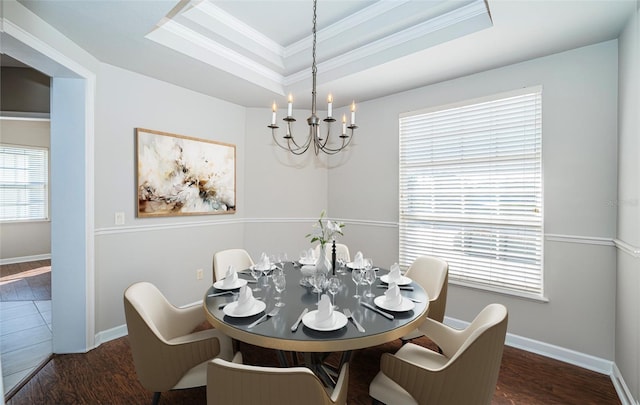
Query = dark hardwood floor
x=26 y=281
x=106 y=375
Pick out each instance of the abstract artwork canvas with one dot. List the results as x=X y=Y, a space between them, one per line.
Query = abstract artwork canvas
x=180 y=175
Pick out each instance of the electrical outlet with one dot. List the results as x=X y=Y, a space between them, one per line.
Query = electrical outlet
x=199 y=274
x=119 y=218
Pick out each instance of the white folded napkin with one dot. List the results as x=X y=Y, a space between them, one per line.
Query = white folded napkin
x=394 y=274
x=245 y=300
x=358 y=261
x=392 y=297
x=264 y=263
x=324 y=316
x=231 y=277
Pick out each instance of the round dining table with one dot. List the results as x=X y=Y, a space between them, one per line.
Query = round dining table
x=276 y=332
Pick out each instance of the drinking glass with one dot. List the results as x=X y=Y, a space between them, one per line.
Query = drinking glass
x=370 y=277
x=256 y=273
x=279 y=282
x=341 y=265
x=356 y=276
x=333 y=288
x=318 y=281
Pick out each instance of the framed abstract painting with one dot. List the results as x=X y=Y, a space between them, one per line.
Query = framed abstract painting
x=180 y=175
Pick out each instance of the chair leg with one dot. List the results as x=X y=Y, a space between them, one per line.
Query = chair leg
x=156 y=398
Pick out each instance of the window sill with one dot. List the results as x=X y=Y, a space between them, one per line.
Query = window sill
x=502 y=291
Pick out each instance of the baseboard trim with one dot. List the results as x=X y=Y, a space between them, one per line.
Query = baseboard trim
x=573 y=357
x=110 y=334
x=565 y=355
x=24 y=259
x=624 y=393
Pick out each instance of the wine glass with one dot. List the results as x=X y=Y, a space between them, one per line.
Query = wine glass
x=341 y=265
x=256 y=273
x=369 y=277
x=333 y=287
x=356 y=276
x=318 y=281
x=279 y=282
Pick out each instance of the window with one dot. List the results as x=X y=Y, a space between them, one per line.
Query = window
x=471 y=190
x=24 y=183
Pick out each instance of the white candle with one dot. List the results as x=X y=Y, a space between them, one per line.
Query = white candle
x=290 y=106
x=353 y=113
x=344 y=124
x=330 y=106
x=274 y=108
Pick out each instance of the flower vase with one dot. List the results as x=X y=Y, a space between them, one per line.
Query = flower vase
x=323 y=264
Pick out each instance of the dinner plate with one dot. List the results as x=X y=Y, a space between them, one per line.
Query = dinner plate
x=221 y=286
x=403 y=280
x=309 y=320
x=352 y=266
x=406 y=305
x=307 y=262
x=230 y=309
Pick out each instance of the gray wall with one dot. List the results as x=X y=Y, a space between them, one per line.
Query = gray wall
x=627 y=316
x=579 y=165
x=165 y=251
x=14 y=234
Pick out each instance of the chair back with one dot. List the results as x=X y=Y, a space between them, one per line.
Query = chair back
x=477 y=362
x=239 y=258
x=238 y=384
x=432 y=274
x=145 y=310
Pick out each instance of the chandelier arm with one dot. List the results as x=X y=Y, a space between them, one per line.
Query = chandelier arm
x=332 y=151
x=288 y=146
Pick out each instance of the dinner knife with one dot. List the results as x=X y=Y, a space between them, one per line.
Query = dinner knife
x=220 y=293
x=371 y=307
x=297 y=323
x=406 y=288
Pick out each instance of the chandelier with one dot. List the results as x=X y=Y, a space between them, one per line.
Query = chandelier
x=314 y=137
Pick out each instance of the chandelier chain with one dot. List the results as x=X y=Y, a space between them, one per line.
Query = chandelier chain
x=314 y=138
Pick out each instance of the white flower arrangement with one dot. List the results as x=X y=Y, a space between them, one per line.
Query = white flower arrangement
x=325 y=232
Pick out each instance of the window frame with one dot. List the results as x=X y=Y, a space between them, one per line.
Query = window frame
x=46 y=185
x=537 y=244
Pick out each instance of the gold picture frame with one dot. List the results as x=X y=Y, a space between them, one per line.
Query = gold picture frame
x=180 y=175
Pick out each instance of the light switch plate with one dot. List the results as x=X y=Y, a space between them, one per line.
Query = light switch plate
x=119 y=218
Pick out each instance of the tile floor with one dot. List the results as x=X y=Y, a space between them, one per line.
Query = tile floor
x=25 y=338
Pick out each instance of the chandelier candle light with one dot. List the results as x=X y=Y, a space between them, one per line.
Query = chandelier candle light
x=319 y=143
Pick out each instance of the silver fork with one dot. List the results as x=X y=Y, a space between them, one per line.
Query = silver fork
x=349 y=315
x=264 y=317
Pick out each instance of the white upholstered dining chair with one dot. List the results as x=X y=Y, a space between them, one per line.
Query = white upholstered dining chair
x=465 y=373
x=239 y=258
x=167 y=353
x=432 y=274
x=234 y=383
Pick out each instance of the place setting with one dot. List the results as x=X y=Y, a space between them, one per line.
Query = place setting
x=246 y=305
x=231 y=281
x=395 y=276
x=325 y=318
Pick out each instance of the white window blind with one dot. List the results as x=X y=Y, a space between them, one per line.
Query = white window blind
x=24 y=178
x=471 y=192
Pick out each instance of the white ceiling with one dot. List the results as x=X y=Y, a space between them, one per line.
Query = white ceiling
x=251 y=52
